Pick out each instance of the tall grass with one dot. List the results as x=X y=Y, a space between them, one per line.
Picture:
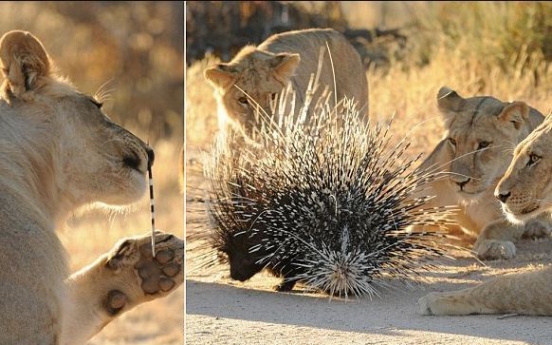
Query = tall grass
x=477 y=48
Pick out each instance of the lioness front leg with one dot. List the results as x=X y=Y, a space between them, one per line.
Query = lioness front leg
x=496 y=240
x=524 y=294
x=121 y=279
x=539 y=227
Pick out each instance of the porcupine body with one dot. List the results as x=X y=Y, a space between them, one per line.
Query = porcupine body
x=327 y=203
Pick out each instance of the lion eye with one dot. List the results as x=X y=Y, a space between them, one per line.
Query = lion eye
x=483 y=144
x=533 y=158
x=452 y=141
x=243 y=100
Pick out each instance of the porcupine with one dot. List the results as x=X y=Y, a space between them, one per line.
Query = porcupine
x=326 y=202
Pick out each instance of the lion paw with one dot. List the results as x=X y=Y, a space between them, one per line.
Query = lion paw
x=536 y=229
x=494 y=249
x=444 y=303
x=136 y=276
x=426 y=302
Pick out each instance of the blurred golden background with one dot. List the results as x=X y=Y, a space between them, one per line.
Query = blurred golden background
x=135 y=51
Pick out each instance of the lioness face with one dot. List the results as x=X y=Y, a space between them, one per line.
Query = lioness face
x=481 y=135
x=525 y=190
x=77 y=154
x=248 y=85
x=103 y=159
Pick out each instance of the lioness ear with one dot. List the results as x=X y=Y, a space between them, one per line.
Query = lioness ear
x=220 y=76
x=284 y=65
x=449 y=100
x=515 y=112
x=23 y=60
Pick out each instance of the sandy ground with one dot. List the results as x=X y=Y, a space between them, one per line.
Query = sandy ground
x=222 y=311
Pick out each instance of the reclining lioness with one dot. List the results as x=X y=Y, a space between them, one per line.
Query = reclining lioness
x=480 y=136
x=59 y=151
x=525 y=191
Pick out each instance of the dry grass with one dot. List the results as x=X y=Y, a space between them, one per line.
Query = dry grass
x=450 y=47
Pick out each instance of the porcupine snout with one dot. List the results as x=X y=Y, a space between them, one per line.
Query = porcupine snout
x=243 y=268
x=240 y=273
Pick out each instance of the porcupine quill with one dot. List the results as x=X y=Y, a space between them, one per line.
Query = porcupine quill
x=152 y=210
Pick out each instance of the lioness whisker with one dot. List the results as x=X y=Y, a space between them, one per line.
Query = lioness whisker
x=463 y=175
x=103 y=94
x=439 y=167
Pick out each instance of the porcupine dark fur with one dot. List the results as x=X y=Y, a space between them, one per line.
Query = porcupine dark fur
x=327 y=203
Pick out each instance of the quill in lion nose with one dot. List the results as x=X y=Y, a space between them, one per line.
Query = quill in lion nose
x=152 y=209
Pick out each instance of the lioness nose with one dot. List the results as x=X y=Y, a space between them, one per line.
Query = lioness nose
x=151 y=156
x=503 y=196
x=461 y=184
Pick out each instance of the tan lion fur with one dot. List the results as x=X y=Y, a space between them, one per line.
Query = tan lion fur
x=248 y=83
x=526 y=191
x=58 y=151
x=480 y=136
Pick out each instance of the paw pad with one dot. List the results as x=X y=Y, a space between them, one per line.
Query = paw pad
x=115 y=301
x=156 y=273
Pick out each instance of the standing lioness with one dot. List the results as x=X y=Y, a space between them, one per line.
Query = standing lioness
x=59 y=151
x=525 y=191
x=245 y=86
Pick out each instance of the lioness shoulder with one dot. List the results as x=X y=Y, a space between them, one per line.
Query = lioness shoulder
x=248 y=83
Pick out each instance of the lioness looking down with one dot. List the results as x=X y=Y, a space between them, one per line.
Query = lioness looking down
x=59 y=152
x=525 y=191
x=245 y=86
x=480 y=135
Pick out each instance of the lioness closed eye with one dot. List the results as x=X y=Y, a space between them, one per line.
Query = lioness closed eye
x=59 y=151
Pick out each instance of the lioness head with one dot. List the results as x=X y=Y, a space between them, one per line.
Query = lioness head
x=246 y=85
x=525 y=190
x=57 y=142
x=481 y=134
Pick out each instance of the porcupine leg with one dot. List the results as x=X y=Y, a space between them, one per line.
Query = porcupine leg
x=525 y=294
x=286 y=285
